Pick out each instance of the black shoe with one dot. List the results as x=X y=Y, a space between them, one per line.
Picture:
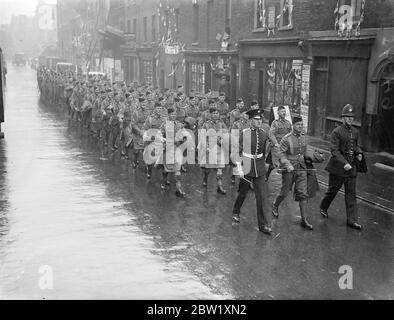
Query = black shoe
x=324 y=213
x=354 y=225
x=306 y=224
x=220 y=190
x=236 y=217
x=275 y=211
x=179 y=193
x=265 y=229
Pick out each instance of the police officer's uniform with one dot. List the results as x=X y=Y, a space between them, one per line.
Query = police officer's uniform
x=344 y=150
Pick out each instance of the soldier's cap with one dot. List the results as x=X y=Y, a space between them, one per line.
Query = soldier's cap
x=161 y=98
x=127 y=94
x=179 y=94
x=222 y=94
x=180 y=86
x=348 y=111
x=141 y=99
x=102 y=91
x=239 y=100
x=255 y=114
x=191 y=97
x=116 y=93
x=176 y=99
x=254 y=102
x=296 y=119
x=281 y=108
x=170 y=110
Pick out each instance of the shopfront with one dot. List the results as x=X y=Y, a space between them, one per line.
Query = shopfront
x=212 y=70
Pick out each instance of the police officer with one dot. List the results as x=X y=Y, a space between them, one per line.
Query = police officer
x=342 y=167
x=252 y=173
x=292 y=150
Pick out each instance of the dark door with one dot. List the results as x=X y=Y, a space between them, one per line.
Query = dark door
x=319 y=104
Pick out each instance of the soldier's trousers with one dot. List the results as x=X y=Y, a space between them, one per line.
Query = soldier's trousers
x=261 y=193
x=334 y=184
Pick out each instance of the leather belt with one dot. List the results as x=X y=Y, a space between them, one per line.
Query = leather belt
x=253 y=156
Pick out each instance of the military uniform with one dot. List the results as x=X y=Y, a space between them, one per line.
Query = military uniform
x=224 y=110
x=344 y=150
x=252 y=143
x=292 y=151
x=279 y=128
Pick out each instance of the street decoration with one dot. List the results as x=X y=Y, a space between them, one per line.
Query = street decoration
x=344 y=19
x=273 y=22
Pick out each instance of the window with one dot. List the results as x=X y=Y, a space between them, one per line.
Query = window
x=260 y=15
x=227 y=15
x=128 y=26
x=145 y=28
x=154 y=28
x=147 y=71
x=283 y=83
x=177 y=23
x=135 y=26
x=195 y=22
x=286 y=14
x=198 y=77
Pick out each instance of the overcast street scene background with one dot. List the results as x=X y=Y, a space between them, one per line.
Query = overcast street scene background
x=78 y=221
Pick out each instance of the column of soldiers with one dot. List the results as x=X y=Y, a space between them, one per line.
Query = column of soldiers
x=123 y=118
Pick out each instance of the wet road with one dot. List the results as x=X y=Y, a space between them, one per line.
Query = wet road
x=107 y=233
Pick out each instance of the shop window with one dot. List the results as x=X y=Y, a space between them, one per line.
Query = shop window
x=283 y=84
x=198 y=77
x=148 y=71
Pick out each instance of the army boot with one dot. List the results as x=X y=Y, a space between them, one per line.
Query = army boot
x=165 y=181
x=179 y=193
x=304 y=221
x=220 y=185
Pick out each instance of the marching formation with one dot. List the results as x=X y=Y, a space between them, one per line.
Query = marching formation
x=137 y=120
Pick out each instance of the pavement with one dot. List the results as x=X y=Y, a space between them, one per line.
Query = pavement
x=74 y=213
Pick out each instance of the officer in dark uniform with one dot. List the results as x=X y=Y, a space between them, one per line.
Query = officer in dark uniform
x=252 y=172
x=345 y=151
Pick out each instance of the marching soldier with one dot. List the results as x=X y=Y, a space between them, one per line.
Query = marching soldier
x=171 y=127
x=219 y=126
x=138 y=120
x=292 y=152
x=223 y=108
x=345 y=152
x=279 y=128
x=252 y=142
x=236 y=114
x=154 y=121
x=241 y=124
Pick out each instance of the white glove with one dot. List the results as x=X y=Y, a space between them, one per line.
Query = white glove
x=347 y=167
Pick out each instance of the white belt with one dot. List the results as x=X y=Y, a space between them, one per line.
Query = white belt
x=253 y=156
